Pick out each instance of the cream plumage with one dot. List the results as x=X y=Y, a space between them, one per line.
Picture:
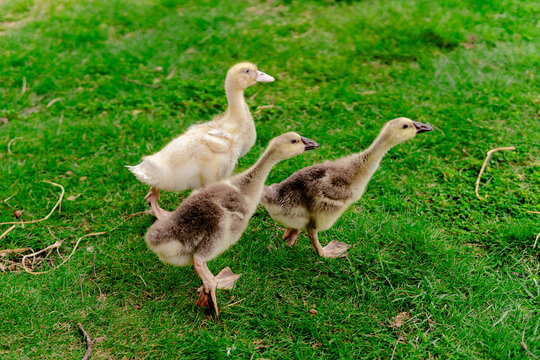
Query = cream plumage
x=213 y=218
x=314 y=197
x=206 y=152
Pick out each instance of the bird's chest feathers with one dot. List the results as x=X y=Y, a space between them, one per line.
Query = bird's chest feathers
x=233 y=226
x=326 y=219
x=357 y=192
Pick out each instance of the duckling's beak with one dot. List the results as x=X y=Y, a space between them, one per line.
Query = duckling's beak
x=421 y=127
x=262 y=77
x=309 y=144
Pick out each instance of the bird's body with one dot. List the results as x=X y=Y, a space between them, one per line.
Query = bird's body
x=207 y=223
x=206 y=152
x=314 y=197
x=318 y=193
x=213 y=218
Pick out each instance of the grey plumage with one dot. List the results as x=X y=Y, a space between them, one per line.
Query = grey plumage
x=213 y=218
x=198 y=223
x=314 y=197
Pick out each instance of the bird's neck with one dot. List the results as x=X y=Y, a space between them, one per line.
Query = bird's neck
x=366 y=163
x=251 y=182
x=237 y=108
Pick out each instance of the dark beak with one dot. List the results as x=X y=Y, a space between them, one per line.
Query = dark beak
x=309 y=144
x=421 y=127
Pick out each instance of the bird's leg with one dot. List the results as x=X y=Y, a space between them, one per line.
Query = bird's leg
x=335 y=249
x=291 y=235
x=314 y=238
x=152 y=197
x=207 y=298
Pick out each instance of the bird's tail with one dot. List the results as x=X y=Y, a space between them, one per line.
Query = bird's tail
x=140 y=173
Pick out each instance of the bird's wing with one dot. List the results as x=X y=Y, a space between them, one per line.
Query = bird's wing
x=336 y=188
x=218 y=140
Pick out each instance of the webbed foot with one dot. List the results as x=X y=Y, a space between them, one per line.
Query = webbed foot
x=291 y=235
x=207 y=298
x=335 y=249
x=225 y=279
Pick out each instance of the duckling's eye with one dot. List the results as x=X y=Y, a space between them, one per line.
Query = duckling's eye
x=294 y=141
x=405 y=126
x=246 y=71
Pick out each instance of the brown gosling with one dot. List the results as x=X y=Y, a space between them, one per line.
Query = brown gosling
x=314 y=197
x=213 y=218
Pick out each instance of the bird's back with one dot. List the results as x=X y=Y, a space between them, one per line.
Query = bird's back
x=299 y=189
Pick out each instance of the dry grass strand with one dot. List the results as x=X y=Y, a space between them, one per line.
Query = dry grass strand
x=88 y=353
x=5 y=233
x=51 y=103
x=56 y=244
x=523 y=345
x=23 y=263
x=488 y=156
x=46 y=217
x=9 y=144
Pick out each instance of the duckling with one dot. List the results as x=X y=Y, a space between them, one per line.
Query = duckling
x=314 y=197
x=207 y=152
x=213 y=218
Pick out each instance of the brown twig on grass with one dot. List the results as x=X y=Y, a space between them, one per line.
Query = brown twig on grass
x=536 y=240
x=235 y=303
x=147 y=212
x=94 y=266
x=394 y=350
x=51 y=103
x=46 y=217
x=144 y=282
x=12 y=251
x=259 y=108
x=56 y=244
x=7 y=199
x=33 y=255
x=254 y=95
x=488 y=156
x=100 y=293
x=80 y=283
x=523 y=345
x=7 y=232
x=532 y=212
x=137 y=82
x=9 y=144
x=88 y=353
x=171 y=74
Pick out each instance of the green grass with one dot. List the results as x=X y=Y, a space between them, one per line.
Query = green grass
x=464 y=269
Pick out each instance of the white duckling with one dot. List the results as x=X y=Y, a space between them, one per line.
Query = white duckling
x=207 y=152
x=213 y=218
x=314 y=197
